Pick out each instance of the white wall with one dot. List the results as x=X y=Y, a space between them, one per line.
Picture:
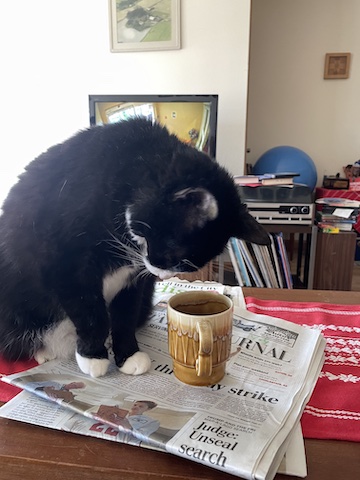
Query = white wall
x=54 y=54
x=289 y=101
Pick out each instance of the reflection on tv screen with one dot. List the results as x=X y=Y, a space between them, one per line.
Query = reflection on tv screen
x=190 y=118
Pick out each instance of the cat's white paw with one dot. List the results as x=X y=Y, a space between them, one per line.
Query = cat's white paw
x=95 y=367
x=136 y=364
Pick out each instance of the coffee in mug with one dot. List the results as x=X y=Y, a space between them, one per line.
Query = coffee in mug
x=199 y=333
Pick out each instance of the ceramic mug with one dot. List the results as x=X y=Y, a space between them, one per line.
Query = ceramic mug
x=199 y=333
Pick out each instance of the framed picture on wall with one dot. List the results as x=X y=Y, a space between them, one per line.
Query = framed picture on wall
x=337 y=65
x=138 y=25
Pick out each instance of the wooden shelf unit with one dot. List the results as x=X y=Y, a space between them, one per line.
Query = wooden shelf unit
x=334 y=260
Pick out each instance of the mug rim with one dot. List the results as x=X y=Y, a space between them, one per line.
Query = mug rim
x=211 y=294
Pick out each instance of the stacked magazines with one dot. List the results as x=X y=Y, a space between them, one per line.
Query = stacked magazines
x=246 y=425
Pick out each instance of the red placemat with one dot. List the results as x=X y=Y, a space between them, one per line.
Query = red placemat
x=7 y=392
x=333 y=411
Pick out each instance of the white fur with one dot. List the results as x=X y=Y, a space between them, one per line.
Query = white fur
x=210 y=206
x=95 y=367
x=58 y=342
x=115 y=281
x=136 y=364
x=141 y=241
x=158 y=272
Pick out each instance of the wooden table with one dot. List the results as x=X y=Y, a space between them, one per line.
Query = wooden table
x=35 y=453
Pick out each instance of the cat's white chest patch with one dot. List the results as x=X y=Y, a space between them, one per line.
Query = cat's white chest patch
x=116 y=281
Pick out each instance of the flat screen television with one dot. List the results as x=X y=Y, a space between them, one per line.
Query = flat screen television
x=193 y=118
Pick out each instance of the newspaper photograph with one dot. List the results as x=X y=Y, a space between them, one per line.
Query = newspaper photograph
x=29 y=408
x=242 y=425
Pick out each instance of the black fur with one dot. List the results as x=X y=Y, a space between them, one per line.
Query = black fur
x=64 y=228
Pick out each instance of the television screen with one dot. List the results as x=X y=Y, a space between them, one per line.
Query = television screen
x=192 y=118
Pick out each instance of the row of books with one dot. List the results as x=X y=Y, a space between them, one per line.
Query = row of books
x=261 y=265
x=283 y=178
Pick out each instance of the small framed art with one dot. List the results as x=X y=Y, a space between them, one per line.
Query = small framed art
x=138 y=25
x=337 y=65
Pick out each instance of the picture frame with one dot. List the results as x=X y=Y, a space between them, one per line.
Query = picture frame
x=337 y=65
x=144 y=25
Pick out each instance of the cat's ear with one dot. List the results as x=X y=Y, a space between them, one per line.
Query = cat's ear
x=201 y=206
x=248 y=229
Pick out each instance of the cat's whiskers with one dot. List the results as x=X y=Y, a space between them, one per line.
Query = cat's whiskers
x=140 y=222
x=127 y=250
x=119 y=221
x=129 y=256
x=144 y=272
x=190 y=263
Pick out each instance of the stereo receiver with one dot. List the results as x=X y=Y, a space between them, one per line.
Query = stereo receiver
x=279 y=204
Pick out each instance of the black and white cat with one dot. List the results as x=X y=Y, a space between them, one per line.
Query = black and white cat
x=90 y=225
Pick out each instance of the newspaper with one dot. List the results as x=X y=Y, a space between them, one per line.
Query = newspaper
x=242 y=425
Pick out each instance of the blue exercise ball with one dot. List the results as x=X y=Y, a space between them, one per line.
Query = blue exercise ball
x=288 y=159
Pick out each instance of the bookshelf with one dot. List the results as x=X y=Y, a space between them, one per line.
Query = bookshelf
x=324 y=261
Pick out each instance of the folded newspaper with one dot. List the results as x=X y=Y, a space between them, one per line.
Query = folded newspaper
x=242 y=425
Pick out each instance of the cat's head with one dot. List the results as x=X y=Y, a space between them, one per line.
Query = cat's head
x=182 y=229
